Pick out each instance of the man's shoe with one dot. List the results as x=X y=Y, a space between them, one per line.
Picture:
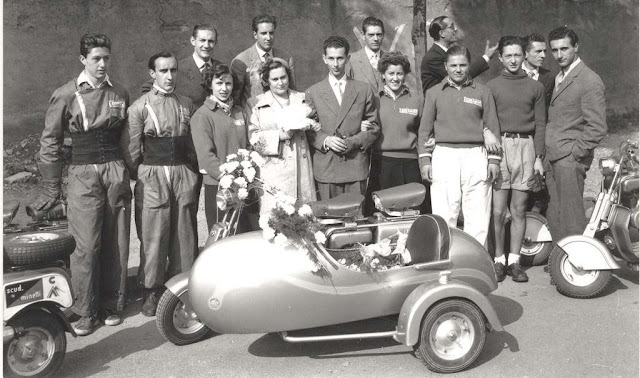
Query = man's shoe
x=112 y=318
x=500 y=271
x=84 y=326
x=151 y=303
x=516 y=272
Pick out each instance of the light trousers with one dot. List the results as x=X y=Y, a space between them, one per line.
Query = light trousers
x=460 y=183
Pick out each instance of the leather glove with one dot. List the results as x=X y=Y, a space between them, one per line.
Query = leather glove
x=51 y=187
x=536 y=183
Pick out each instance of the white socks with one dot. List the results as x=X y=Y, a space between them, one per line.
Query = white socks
x=513 y=258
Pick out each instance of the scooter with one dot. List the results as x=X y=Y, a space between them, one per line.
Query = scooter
x=581 y=265
x=37 y=288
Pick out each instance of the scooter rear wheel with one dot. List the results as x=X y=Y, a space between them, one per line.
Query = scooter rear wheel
x=176 y=323
x=575 y=282
x=38 y=351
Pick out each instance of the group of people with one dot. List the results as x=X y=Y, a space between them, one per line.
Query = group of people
x=360 y=129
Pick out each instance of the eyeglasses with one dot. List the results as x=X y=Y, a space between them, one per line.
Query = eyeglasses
x=452 y=26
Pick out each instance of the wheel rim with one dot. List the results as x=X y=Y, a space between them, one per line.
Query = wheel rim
x=577 y=276
x=32 y=352
x=530 y=248
x=452 y=336
x=35 y=238
x=185 y=322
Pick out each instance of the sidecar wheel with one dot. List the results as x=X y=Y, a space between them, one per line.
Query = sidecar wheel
x=176 y=324
x=38 y=350
x=574 y=282
x=452 y=336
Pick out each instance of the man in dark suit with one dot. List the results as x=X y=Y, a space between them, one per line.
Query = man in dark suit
x=535 y=48
x=341 y=158
x=191 y=69
x=246 y=66
x=432 y=70
x=363 y=64
x=576 y=125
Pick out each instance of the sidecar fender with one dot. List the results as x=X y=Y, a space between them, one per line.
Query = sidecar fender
x=588 y=253
x=426 y=295
x=179 y=285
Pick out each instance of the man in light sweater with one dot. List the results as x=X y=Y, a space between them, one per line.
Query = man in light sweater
x=520 y=104
x=457 y=112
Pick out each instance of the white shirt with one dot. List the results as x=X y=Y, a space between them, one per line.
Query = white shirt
x=536 y=72
x=572 y=66
x=84 y=78
x=199 y=61
x=334 y=85
x=372 y=55
x=261 y=53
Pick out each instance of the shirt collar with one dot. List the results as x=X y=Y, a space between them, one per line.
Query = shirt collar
x=370 y=53
x=160 y=90
x=261 y=52
x=450 y=83
x=199 y=61
x=535 y=70
x=442 y=46
x=84 y=78
x=386 y=91
x=333 y=81
x=572 y=66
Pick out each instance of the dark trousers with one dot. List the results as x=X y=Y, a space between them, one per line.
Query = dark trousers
x=248 y=220
x=328 y=190
x=565 y=182
x=387 y=172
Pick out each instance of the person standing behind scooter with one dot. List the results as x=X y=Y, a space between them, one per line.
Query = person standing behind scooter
x=160 y=155
x=93 y=109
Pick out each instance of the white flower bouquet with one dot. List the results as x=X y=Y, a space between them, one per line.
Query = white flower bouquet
x=240 y=172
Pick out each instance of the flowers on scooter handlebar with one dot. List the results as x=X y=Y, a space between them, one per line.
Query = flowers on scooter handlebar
x=239 y=174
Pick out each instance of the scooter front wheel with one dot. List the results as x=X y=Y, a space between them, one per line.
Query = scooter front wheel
x=177 y=324
x=38 y=349
x=573 y=281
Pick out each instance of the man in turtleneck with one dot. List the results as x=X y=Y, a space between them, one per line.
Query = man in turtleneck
x=159 y=152
x=520 y=104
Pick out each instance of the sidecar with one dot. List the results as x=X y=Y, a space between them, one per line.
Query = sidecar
x=246 y=284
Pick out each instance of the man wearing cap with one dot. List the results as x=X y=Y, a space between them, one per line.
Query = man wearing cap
x=246 y=66
x=160 y=154
x=92 y=108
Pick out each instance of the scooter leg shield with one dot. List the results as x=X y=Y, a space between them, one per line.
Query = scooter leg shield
x=588 y=253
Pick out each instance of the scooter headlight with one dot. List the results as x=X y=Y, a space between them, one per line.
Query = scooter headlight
x=607 y=165
x=224 y=198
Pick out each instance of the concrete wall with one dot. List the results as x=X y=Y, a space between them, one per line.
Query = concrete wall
x=41 y=39
x=607 y=29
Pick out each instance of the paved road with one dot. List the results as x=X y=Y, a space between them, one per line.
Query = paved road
x=546 y=335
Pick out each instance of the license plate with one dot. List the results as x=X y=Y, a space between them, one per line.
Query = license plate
x=24 y=292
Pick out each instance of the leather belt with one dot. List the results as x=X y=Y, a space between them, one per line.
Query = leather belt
x=516 y=135
x=95 y=146
x=166 y=150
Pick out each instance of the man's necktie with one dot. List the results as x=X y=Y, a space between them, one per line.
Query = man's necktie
x=266 y=56
x=339 y=93
x=206 y=68
x=559 y=78
x=374 y=61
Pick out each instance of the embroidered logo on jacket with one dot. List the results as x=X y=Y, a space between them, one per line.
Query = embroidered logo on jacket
x=238 y=122
x=473 y=101
x=116 y=104
x=409 y=111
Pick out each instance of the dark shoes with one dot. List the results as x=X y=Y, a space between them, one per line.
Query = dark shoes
x=85 y=325
x=150 y=303
x=501 y=273
x=515 y=271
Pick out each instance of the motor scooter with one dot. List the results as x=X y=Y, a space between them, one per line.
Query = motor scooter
x=37 y=288
x=581 y=265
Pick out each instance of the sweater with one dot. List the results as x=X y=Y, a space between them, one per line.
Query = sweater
x=457 y=117
x=399 y=122
x=217 y=134
x=520 y=103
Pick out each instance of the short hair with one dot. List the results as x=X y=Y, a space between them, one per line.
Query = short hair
x=214 y=73
x=336 y=42
x=90 y=41
x=161 y=54
x=533 y=37
x=372 y=21
x=199 y=27
x=263 y=19
x=437 y=24
x=563 y=32
x=509 y=40
x=458 y=50
x=394 y=58
x=272 y=64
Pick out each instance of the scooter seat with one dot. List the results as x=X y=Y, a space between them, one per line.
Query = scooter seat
x=401 y=197
x=9 y=211
x=429 y=239
x=346 y=205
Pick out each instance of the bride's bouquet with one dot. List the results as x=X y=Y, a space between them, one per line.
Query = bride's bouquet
x=295 y=117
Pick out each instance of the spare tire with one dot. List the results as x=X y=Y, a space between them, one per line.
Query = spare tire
x=30 y=248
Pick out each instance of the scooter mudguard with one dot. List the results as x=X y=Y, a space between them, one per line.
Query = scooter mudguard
x=588 y=253
x=423 y=297
x=43 y=285
x=179 y=285
x=537 y=228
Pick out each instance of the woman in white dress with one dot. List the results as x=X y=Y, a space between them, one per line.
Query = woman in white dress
x=277 y=125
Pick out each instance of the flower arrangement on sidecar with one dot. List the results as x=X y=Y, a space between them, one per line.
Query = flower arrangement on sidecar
x=248 y=284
